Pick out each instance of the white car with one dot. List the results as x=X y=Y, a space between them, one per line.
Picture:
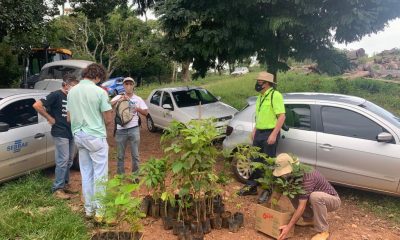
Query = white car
x=26 y=143
x=240 y=71
x=184 y=104
x=51 y=75
x=350 y=140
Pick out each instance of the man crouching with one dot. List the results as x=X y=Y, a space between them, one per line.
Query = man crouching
x=320 y=198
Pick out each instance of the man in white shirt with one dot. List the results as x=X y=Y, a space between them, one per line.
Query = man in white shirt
x=129 y=132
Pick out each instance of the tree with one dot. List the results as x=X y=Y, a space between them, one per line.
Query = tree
x=230 y=30
x=9 y=69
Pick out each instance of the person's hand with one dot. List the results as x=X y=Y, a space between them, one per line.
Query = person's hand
x=51 y=121
x=284 y=232
x=271 y=139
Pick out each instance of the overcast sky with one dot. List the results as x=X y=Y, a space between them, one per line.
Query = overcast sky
x=384 y=40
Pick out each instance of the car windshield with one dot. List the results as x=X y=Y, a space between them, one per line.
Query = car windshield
x=193 y=97
x=388 y=116
x=108 y=83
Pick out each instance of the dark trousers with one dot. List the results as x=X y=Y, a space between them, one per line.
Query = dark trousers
x=260 y=140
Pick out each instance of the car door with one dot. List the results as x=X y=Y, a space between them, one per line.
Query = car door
x=167 y=114
x=348 y=152
x=23 y=146
x=301 y=139
x=155 y=110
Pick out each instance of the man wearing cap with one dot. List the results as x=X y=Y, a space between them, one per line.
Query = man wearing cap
x=313 y=206
x=130 y=132
x=270 y=116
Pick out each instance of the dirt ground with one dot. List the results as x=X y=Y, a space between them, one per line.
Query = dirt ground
x=348 y=223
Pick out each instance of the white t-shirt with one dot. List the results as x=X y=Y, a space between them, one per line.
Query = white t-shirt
x=133 y=102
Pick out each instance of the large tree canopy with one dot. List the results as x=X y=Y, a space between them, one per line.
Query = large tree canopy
x=275 y=30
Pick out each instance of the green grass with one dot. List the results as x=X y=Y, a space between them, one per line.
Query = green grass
x=29 y=211
x=235 y=90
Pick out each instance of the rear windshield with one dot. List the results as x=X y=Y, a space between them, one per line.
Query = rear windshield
x=108 y=83
x=57 y=72
x=193 y=97
x=388 y=116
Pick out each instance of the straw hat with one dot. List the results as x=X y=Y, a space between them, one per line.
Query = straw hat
x=283 y=165
x=265 y=76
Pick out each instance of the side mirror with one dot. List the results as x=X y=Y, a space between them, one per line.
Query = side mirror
x=167 y=106
x=4 y=127
x=384 y=137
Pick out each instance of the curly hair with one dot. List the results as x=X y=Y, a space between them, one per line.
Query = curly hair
x=93 y=71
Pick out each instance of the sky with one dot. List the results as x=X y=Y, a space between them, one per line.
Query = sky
x=375 y=43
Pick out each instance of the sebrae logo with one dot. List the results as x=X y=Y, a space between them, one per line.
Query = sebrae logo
x=17 y=146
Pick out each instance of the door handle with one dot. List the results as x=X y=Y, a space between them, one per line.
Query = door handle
x=326 y=146
x=39 y=135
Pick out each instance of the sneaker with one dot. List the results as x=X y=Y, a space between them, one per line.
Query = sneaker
x=60 y=194
x=321 y=236
x=303 y=223
x=247 y=190
x=98 y=219
x=68 y=189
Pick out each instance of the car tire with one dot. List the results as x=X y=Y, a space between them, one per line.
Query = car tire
x=75 y=161
x=241 y=170
x=150 y=124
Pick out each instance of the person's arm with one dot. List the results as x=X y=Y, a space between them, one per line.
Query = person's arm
x=117 y=99
x=108 y=119
x=38 y=106
x=296 y=216
x=272 y=137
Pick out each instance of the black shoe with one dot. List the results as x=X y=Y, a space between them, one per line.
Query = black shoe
x=247 y=190
x=264 y=196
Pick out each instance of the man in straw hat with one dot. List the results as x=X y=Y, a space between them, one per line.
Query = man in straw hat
x=270 y=116
x=313 y=206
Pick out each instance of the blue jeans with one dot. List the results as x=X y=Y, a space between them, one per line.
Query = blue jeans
x=93 y=162
x=122 y=136
x=64 y=153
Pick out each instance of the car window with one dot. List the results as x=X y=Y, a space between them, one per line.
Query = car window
x=155 y=99
x=19 y=114
x=348 y=123
x=193 y=97
x=57 y=72
x=166 y=99
x=298 y=116
x=388 y=116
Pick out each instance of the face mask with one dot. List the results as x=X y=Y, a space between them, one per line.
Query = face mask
x=259 y=87
x=128 y=88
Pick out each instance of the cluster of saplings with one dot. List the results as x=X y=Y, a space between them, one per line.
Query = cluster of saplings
x=185 y=191
x=191 y=203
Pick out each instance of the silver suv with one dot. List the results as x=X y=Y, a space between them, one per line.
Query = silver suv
x=25 y=140
x=350 y=140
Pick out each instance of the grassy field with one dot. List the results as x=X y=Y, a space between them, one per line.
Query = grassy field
x=28 y=210
x=235 y=90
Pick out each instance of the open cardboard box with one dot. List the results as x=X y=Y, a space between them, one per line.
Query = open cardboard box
x=268 y=220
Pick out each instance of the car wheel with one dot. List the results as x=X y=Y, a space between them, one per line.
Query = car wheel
x=150 y=124
x=75 y=161
x=241 y=169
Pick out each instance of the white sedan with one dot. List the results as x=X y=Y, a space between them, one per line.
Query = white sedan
x=184 y=104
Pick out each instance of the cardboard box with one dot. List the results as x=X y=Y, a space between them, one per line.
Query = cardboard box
x=269 y=220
